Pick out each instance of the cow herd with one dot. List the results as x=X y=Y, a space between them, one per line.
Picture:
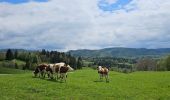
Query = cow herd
x=53 y=71
x=58 y=71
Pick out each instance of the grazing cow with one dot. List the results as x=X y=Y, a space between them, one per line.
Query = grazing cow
x=56 y=69
x=40 y=70
x=103 y=72
x=63 y=72
x=60 y=70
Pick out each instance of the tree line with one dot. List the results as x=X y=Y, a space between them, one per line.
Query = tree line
x=33 y=58
x=130 y=65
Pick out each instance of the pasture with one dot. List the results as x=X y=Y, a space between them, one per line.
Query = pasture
x=85 y=85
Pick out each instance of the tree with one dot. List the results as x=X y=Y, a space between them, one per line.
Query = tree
x=43 y=52
x=9 y=55
x=161 y=65
x=73 y=62
x=35 y=59
x=146 y=64
x=27 y=65
x=79 y=63
x=16 y=54
x=168 y=63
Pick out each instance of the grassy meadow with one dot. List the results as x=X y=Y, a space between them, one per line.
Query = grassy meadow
x=85 y=85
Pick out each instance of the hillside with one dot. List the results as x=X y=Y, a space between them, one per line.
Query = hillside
x=85 y=85
x=121 y=52
x=4 y=70
x=19 y=50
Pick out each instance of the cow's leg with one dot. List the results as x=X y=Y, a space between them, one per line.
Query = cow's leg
x=48 y=74
x=107 y=78
x=39 y=73
x=65 y=76
x=44 y=73
x=58 y=76
x=55 y=76
x=51 y=75
x=100 y=77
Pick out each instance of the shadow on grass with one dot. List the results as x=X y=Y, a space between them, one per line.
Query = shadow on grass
x=97 y=81
x=54 y=80
x=49 y=79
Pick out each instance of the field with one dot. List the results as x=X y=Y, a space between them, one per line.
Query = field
x=85 y=85
x=4 y=70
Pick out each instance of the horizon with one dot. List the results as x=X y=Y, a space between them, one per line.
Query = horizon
x=90 y=24
x=80 y=49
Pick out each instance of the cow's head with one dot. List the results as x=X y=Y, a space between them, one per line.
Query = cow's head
x=36 y=71
x=99 y=68
x=70 y=68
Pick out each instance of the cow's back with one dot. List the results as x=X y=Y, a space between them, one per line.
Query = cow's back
x=42 y=66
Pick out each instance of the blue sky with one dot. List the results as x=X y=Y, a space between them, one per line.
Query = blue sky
x=84 y=24
x=111 y=6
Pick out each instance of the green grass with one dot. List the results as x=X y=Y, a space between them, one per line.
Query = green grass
x=19 y=62
x=11 y=63
x=4 y=70
x=85 y=85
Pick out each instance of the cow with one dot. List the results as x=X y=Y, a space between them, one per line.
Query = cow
x=63 y=71
x=56 y=68
x=40 y=70
x=103 y=72
x=60 y=71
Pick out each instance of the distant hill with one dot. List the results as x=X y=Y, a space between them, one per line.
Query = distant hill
x=121 y=52
x=19 y=50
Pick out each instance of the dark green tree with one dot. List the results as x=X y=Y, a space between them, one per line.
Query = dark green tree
x=27 y=65
x=16 y=54
x=79 y=63
x=9 y=55
x=43 y=52
x=168 y=63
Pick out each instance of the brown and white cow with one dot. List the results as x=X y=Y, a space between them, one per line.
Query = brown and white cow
x=60 y=70
x=103 y=72
x=63 y=72
x=40 y=70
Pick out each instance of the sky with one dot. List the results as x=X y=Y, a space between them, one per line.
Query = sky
x=84 y=24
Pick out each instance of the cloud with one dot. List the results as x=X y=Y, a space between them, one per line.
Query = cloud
x=82 y=24
x=21 y=1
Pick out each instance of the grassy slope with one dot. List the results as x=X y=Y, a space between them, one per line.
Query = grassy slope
x=84 y=84
x=19 y=63
x=4 y=70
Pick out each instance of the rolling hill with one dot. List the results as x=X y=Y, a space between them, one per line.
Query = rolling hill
x=121 y=52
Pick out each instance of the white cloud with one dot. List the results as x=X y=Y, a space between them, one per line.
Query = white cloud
x=79 y=24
